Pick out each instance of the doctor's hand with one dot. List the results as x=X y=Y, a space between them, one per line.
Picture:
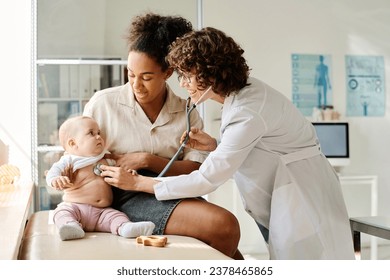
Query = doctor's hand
x=127 y=179
x=199 y=140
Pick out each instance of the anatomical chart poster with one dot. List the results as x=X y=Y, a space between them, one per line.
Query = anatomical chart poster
x=311 y=82
x=365 y=83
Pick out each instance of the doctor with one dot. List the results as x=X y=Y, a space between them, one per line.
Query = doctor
x=267 y=145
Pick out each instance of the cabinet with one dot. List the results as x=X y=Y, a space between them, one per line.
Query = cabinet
x=63 y=87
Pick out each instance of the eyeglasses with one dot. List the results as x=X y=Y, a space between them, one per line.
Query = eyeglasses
x=181 y=77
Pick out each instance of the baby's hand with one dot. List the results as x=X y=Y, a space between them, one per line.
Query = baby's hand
x=68 y=172
x=61 y=182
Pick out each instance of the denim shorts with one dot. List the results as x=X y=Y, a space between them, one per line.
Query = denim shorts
x=264 y=231
x=140 y=206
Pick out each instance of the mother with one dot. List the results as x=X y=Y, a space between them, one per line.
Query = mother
x=142 y=122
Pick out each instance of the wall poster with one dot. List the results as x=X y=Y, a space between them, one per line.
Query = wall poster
x=365 y=83
x=311 y=82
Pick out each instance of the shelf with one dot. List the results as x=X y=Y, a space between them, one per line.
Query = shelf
x=81 y=62
x=48 y=148
x=61 y=99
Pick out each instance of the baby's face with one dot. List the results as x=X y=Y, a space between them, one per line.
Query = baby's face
x=88 y=139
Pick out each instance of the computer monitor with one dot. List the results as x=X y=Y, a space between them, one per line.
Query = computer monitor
x=334 y=141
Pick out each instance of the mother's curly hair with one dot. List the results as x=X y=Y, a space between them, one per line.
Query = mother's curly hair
x=215 y=58
x=152 y=34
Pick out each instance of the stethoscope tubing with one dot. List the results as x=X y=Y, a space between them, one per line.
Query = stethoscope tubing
x=189 y=109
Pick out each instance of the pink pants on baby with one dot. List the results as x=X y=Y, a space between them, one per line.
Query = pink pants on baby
x=89 y=217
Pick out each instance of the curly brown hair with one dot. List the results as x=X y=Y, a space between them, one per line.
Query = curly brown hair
x=152 y=34
x=215 y=58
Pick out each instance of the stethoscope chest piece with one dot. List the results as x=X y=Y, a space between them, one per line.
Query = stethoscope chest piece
x=97 y=170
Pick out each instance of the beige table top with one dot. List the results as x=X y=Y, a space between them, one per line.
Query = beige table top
x=41 y=242
x=15 y=204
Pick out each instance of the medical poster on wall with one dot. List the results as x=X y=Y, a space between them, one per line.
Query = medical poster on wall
x=311 y=82
x=365 y=83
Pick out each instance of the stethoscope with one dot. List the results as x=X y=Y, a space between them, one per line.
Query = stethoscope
x=189 y=108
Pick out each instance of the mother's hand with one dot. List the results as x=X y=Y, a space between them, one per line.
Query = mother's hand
x=127 y=179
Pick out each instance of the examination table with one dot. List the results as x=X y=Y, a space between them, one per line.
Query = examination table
x=42 y=242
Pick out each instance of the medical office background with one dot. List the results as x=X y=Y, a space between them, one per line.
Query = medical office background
x=269 y=32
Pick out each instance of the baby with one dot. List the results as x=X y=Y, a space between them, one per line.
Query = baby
x=87 y=196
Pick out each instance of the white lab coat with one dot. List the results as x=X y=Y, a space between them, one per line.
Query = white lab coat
x=285 y=182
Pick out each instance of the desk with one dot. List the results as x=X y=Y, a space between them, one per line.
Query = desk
x=372 y=181
x=15 y=204
x=373 y=225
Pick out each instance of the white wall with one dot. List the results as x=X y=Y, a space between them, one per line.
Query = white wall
x=15 y=69
x=77 y=20
x=96 y=28
x=124 y=10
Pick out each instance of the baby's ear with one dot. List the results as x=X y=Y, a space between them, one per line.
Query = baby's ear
x=71 y=142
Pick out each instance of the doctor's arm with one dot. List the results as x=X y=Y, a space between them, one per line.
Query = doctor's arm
x=154 y=163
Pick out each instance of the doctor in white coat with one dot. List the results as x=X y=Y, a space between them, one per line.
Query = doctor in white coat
x=272 y=151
